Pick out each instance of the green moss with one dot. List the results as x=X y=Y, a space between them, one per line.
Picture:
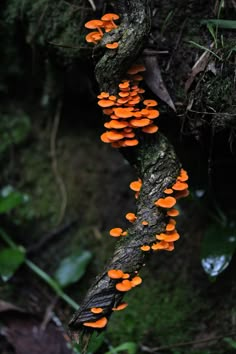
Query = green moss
x=158 y=313
x=54 y=21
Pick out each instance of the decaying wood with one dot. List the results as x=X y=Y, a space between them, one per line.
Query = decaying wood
x=155 y=162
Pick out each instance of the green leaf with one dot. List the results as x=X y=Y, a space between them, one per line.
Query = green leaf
x=72 y=268
x=129 y=347
x=218 y=246
x=10 y=261
x=226 y=24
x=231 y=342
x=10 y=199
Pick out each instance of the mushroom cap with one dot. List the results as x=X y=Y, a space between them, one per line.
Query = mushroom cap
x=170 y=227
x=102 y=94
x=125 y=285
x=170 y=247
x=126 y=276
x=173 y=212
x=136 y=185
x=138 y=123
x=180 y=186
x=113 y=45
x=145 y=248
x=131 y=142
x=136 y=281
x=168 y=191
x=96 y=309
x=124 y=85
x=150 y=103
x=105 y=103
x=102 y=322
x=136 y=68
x=167 y=202
x=104 y=138
x=115 y=273
x=93 y=37
x=93 y=24
x=131 y=217
x=150 y=129
x=116 y=232
x=110 y=17
x=120 y=307
x=114 y=135
x=116 y=124
x=107 y=111
x=183 y=176
x=153 y=113
x=144 y=222
x=123 y=112
x=160 y=246
x=171 y=237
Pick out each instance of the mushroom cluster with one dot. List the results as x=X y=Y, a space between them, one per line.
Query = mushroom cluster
x=130 y=114
x=178 y=190
x=105 y=24
x=128 y=111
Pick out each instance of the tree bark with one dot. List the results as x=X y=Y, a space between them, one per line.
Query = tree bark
x=155 y=162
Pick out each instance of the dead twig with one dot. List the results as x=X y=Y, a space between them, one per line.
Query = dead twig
x=185 y=344
x=49 y=236
x=58 y=177
x=176 y=44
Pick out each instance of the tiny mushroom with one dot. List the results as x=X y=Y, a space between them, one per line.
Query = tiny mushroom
x=167 y=202
x=115 y=273
x=116 y=232
x=120 y=307
x=102 y=322
x=96 y=310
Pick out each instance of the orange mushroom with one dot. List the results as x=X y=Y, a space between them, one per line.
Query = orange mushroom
x=123 y=112
x=105 y=103
x=115 y=273
x=131 y=142
x=131 y=217
x=95 y=24
x=160 y=246
x=120 y=307
x=102 y=322
x=136 y=185
x=167 y=202
x=145 y=248
x=113 y=45
x=136 y=281
x=170 y=237
x=110 y=18
x=173 y=212
x=180 y=186
x=168 y=191
x=125 y=285
x=96 y=309
x=150 y=129
x=116 y=232
x=150 y=103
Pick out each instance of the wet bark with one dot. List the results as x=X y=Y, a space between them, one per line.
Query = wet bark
x=154 y=159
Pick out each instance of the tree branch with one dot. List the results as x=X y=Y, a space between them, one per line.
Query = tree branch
x=154 y=160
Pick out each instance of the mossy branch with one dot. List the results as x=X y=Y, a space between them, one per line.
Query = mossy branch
x=158 y=167
x=154 y=160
